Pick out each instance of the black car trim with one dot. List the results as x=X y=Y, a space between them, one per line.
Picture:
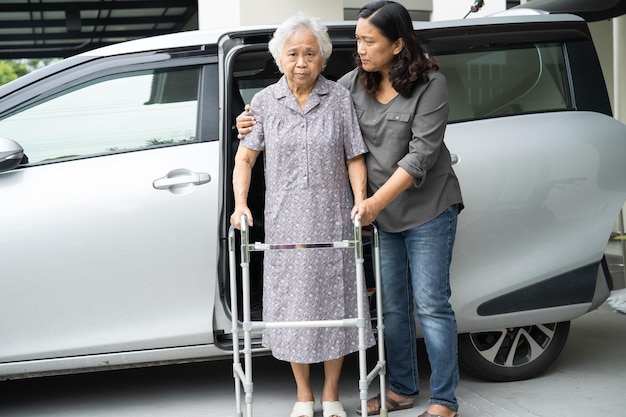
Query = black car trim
x=591 y=11
x=47 y=71
x=573 y=287
x=588 y=85
x=208 y=126
x=486 y=36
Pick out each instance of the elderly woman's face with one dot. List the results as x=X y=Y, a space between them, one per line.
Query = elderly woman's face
x=301 y=60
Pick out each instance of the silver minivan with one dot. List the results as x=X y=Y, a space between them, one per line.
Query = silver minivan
x=116 y=193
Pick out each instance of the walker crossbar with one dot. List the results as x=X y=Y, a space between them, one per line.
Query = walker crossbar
x=256 y=325
x=243 y=374
x=257 y=247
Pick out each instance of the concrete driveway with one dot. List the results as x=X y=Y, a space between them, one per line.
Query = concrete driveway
x=588 y=379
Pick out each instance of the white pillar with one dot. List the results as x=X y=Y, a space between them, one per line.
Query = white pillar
x=619 y=100
x=619 y=68
x=214 y=14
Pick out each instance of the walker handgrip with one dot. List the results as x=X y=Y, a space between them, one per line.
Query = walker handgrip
x=244 y=222
x=357 y=220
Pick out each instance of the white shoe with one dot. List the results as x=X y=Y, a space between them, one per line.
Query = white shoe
x=302 y=408
x=333 y=408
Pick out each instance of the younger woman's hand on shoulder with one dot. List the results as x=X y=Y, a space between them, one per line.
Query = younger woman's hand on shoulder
x=245 y=122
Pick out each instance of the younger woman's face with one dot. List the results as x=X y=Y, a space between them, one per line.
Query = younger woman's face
x=377 y=53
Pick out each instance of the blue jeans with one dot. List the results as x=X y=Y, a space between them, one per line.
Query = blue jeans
x=415 y=270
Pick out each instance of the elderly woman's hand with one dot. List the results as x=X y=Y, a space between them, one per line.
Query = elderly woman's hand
x=245 y=122
x=235 y=218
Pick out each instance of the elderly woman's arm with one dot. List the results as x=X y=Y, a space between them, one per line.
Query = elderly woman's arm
x=358 y=180
x=242 y=174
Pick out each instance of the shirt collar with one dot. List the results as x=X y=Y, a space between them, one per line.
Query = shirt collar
x=321 y=88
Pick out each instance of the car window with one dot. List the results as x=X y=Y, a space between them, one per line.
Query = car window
x=498 y=82
x=123 y=112
x=257 y=70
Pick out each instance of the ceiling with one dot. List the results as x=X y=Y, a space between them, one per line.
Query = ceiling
x=59 y=28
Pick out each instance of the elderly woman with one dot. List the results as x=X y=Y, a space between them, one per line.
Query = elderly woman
x=314 y=175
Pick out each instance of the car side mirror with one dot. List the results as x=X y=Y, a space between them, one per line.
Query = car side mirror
x=11 y=154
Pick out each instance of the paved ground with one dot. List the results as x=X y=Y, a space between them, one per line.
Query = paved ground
x=588 y=379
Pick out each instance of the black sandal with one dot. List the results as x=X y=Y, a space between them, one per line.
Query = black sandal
x=392 y=405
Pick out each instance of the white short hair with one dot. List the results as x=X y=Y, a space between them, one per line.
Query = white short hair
x=291 y=25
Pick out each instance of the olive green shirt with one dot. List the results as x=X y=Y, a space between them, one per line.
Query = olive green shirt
x=408 y=132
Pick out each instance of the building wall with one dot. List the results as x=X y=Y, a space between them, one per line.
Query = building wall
x=419 y=9
x=232 y=13
x=458 y=9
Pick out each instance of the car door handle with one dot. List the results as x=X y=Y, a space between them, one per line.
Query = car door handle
x=454 y=158
x=181 y=177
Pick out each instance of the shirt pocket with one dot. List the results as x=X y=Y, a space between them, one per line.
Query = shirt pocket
x=368 y=127
x=398 y=126
x=399 y=117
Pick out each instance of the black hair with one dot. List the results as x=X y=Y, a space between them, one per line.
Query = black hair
x=411 y=65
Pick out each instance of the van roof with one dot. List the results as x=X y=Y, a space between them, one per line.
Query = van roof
x=212 y=37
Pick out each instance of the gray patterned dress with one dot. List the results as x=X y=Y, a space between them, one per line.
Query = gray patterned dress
x=308 y=199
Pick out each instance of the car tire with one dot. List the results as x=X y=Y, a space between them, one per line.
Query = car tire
x=512 y=354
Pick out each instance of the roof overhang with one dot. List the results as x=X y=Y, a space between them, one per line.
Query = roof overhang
x=58 y=29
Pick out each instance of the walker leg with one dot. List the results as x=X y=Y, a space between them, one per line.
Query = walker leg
x=380 y=326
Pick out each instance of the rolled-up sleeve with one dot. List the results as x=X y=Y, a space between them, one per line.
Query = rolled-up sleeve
x=428 y=129
x=352 y=139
